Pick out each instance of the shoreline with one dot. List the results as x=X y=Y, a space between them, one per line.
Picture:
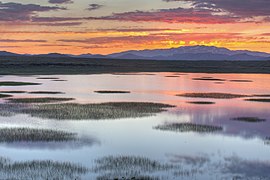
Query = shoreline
x=80 y=66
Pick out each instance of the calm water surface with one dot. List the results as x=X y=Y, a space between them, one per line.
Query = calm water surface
x=239 y=150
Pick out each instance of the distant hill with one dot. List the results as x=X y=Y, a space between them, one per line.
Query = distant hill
x=182 y=53
x=193 y=53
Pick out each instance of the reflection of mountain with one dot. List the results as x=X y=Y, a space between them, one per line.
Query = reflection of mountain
x=181 y=53
x=213 y=118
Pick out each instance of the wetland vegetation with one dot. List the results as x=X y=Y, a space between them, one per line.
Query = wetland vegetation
x=40 y=169
x=9 y=135
x=201 y=102
x=111 y=110
x=13 y=83
x=111 y=92
x=45 y=92
x=38 y=100
x=259 y=100
x=248 y=119
x=188 y=127
x=212 y=95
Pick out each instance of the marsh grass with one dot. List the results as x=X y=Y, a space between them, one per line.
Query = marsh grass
x=39 y=100
x=5 y=95
x=212 y=95
x=45 y=92
x=13 y=83
x=188 y=127
x=201 y=102
x=208 y=79
x=40 y=170
x=128 y=167
x=110 y=110
x=258 y=100
x=248 y=119
x=112 y=92
x=13 y=92
x=9 y=135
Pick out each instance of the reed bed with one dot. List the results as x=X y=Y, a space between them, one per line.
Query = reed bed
x=9 y=135
x=111 y=92
x=38 y=100
x=258 y=100
x=13 y=83
x=45 y=92
x=40 y=170
x=213 y=95
x=188 y=127
x=248 y=119
x=110 y=110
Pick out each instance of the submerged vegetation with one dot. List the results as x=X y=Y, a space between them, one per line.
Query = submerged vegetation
x=34 y=135
x=13 y=83
x=249 y=119
x=258 y=100
x=39 y=100
x=112 y=110
x=201 y=102
x=112 y=92
x=188 y=127
x=212 y=95
x=40 y=170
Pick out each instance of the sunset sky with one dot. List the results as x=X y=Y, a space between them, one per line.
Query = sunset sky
x=107 y=26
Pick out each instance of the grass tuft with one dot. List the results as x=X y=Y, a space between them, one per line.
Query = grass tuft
x=112 y=92
x=258 y=100
x=110 y=110
x=13 y=83
x=45 y=169
x=188 y=127
x=38 y=100
x=201 y=102
x=5 y=96
x=208 y=79
x=248 y=119
x=45 y=92
x=212 y=95
x=10 y=135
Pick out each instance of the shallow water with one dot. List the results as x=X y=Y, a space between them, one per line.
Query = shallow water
x=239 y=150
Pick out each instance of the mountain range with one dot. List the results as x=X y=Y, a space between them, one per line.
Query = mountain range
x=181 y=53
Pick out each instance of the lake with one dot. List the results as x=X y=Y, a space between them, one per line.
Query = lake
x=200 y=138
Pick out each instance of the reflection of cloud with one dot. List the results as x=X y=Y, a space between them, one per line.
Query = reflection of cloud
x=247 y=169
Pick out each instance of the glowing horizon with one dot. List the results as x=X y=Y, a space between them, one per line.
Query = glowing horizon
x=102 y=27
